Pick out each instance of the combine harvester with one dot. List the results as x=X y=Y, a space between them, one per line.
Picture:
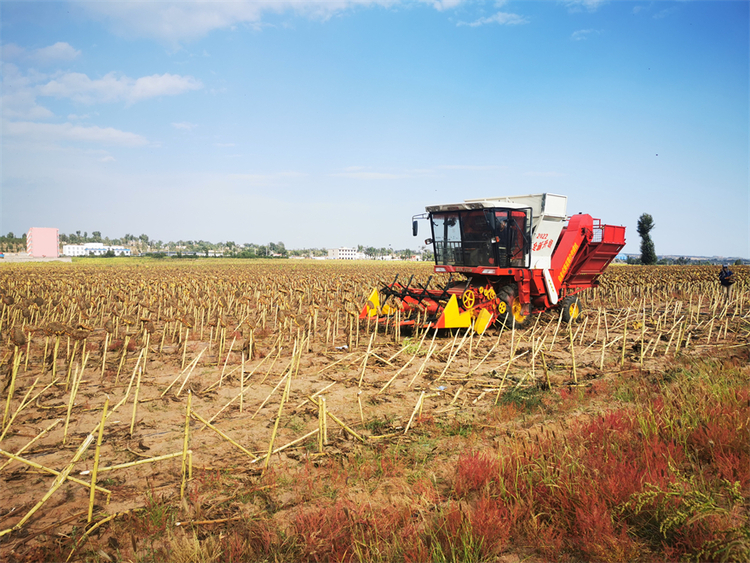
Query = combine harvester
x=515 y=256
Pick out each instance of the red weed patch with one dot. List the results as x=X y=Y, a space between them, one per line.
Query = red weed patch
x=474 y=471
x=344 y=531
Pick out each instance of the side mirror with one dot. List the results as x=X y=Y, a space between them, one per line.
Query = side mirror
x=414 y=227
x=428 y=241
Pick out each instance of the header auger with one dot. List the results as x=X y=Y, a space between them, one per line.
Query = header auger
x=516 y=256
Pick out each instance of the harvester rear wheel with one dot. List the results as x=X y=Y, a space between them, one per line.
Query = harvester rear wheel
x=509 y=307
x=570 y=308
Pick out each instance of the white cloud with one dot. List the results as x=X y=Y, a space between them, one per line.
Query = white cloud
x=590 y=5
x=59 y=52
x=22 y=105
x=80 y=88
x=20 y=89
x=107 y=159
x=13 y=52
x=442 y=5
x=186 y=125
x=174 y=22
x=113 y=87
x=177 y=22
x=470 y=167
x=501 y=18
x=18 y=99
x=162 y=85
x=657 y=15
x=54 y=132
x=582 y=34
x=666 y=12
x=74 y=117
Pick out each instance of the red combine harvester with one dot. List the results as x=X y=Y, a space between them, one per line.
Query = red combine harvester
x=516 y=256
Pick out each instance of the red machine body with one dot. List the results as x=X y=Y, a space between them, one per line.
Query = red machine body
x=495 y=259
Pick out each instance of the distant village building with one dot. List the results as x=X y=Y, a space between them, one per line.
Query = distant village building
x=42 y=242
x=344 y=253
x=93 y=249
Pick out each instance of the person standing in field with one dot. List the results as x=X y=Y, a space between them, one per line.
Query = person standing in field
x=726 y=278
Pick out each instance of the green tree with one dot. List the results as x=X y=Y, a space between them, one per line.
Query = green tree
x=406 y=254
x=143 y=242
x=648 y=251
x=203 y=247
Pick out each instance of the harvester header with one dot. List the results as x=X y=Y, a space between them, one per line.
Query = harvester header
x=513 y=256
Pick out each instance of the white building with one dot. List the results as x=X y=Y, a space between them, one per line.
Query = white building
x=343 y=253
x=93 y=249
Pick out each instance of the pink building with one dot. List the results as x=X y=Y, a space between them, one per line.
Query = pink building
x=42 y=242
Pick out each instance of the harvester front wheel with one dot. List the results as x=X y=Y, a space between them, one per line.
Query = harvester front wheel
x=570 y=308
x=509 y=308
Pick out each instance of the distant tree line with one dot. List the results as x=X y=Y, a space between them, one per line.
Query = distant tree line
x=685 y=261
x=12 y=243
x=143 y=244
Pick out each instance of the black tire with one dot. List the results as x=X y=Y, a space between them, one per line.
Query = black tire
x=570 y=308
x=509 y=308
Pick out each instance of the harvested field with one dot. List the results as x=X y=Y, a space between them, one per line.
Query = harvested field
x=240 y=411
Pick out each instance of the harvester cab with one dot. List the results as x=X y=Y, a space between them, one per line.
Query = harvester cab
x=513 y=256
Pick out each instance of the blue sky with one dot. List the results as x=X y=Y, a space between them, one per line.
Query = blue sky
x=332 y=123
